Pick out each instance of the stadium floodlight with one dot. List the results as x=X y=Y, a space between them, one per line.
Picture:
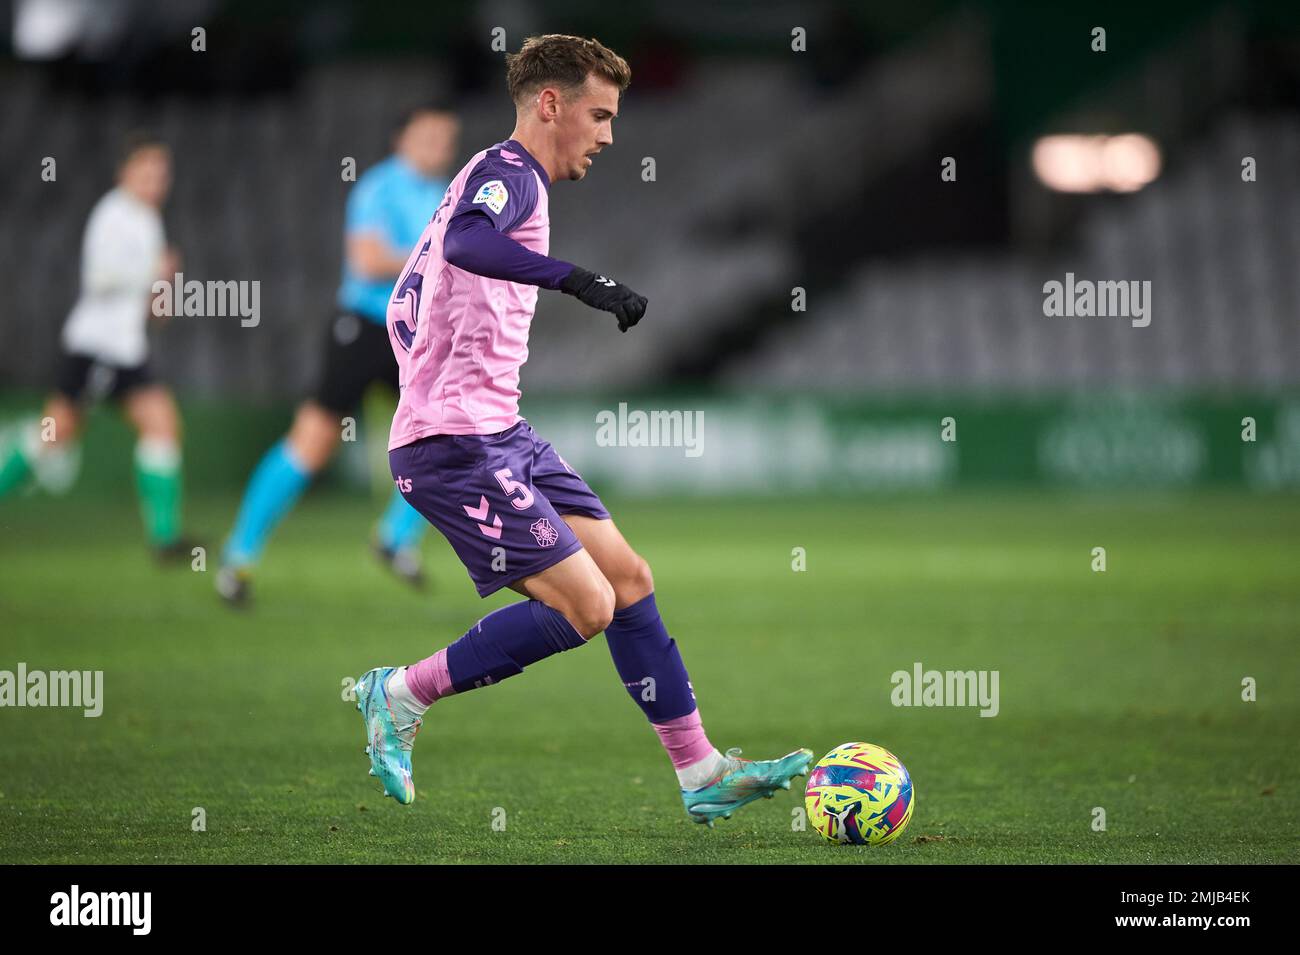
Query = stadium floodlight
x=1096 y=163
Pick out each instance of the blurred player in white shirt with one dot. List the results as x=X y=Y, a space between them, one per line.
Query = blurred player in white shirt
x=106 y=351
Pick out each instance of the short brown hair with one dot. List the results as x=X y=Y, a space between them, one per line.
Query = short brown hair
x=564 y=61
x=137 y=141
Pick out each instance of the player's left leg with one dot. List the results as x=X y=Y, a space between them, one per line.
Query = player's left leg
x=645 y=656
x=31 y=449
x=46 y=451
x=650 y=665
x=152 y=411
x=19 y=448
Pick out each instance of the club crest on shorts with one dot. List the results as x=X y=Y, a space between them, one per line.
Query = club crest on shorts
x=546 y=534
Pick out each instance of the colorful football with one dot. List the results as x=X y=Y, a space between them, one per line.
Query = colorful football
x=859 y=793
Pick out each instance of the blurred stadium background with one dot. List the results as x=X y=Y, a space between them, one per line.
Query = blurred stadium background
x=775 y=171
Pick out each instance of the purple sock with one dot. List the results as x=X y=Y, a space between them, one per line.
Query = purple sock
x=507 y=640
x=647 y=660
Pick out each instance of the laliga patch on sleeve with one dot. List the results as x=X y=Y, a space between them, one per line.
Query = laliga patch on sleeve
x=493 y=195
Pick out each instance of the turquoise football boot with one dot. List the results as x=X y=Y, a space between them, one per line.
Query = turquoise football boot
x=390 y=734
x=742 y=781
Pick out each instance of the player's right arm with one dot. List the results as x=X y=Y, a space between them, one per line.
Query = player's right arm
x=494 y=204
x=369 y=253
x=372 y=258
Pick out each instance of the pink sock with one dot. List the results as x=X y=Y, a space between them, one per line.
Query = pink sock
x=684 y=739
x=429 y=680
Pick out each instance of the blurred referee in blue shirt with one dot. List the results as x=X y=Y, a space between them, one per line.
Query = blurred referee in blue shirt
x=387 y=210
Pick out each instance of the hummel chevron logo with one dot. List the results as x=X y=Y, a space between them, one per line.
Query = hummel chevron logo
x=604 y=281
x=480 y=514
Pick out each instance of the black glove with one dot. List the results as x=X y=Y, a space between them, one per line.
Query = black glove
x=605 y=294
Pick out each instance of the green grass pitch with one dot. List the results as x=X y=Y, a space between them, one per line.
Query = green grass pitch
x=1120 y=690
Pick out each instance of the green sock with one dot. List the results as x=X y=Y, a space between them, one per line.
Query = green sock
x=19 y=445
x=15 y=468
x=158 y=483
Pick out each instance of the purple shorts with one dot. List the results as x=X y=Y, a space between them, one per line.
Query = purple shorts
x=497 y=498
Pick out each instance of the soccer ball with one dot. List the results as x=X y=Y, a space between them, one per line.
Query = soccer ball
x=859 y=793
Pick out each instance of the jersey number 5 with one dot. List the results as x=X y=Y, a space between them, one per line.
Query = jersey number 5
x=408 y=294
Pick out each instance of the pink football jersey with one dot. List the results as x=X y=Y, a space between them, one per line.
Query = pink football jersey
x=460 y=338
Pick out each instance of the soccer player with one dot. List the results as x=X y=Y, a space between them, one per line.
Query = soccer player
x=386 y=211
x=106 y=351
x=516 y=514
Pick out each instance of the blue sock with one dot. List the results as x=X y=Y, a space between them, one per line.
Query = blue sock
x=402 y=526
x=647 y=660
x=273 y=489
x=507 y=640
